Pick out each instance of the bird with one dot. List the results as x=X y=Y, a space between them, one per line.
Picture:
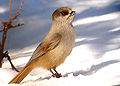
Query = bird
x=55 y=47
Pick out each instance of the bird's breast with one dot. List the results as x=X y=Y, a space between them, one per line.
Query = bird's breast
x=67 y=42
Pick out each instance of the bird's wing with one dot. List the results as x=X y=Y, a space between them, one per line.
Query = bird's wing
x=46 y=46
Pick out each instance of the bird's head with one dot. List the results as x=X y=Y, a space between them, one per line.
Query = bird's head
x=63 y=15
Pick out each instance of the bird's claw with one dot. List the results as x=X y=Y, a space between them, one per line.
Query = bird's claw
x=57 y=75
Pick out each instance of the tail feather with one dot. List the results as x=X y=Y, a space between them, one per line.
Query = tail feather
x=21 y=75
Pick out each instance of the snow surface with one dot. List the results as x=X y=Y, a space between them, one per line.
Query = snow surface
x=95 y=59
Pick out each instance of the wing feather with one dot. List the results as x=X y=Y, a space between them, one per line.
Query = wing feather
x=45 y=47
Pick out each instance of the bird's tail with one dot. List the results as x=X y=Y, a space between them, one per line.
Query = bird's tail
x=21 y=75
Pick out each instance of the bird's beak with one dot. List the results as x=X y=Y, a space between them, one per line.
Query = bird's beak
x=72 y=13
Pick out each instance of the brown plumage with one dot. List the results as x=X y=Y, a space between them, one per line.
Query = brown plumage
x=55 y=47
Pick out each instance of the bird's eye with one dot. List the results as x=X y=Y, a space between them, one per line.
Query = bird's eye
x=64 y=13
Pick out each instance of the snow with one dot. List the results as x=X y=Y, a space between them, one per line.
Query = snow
x=88 y=20
x=79 y=69
x=95 y=59
x=2 y=10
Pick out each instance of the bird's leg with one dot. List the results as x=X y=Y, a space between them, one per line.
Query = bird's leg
x=53 y=74
x=58 y=75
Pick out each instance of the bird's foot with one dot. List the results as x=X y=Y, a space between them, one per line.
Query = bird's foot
x=57 y=75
